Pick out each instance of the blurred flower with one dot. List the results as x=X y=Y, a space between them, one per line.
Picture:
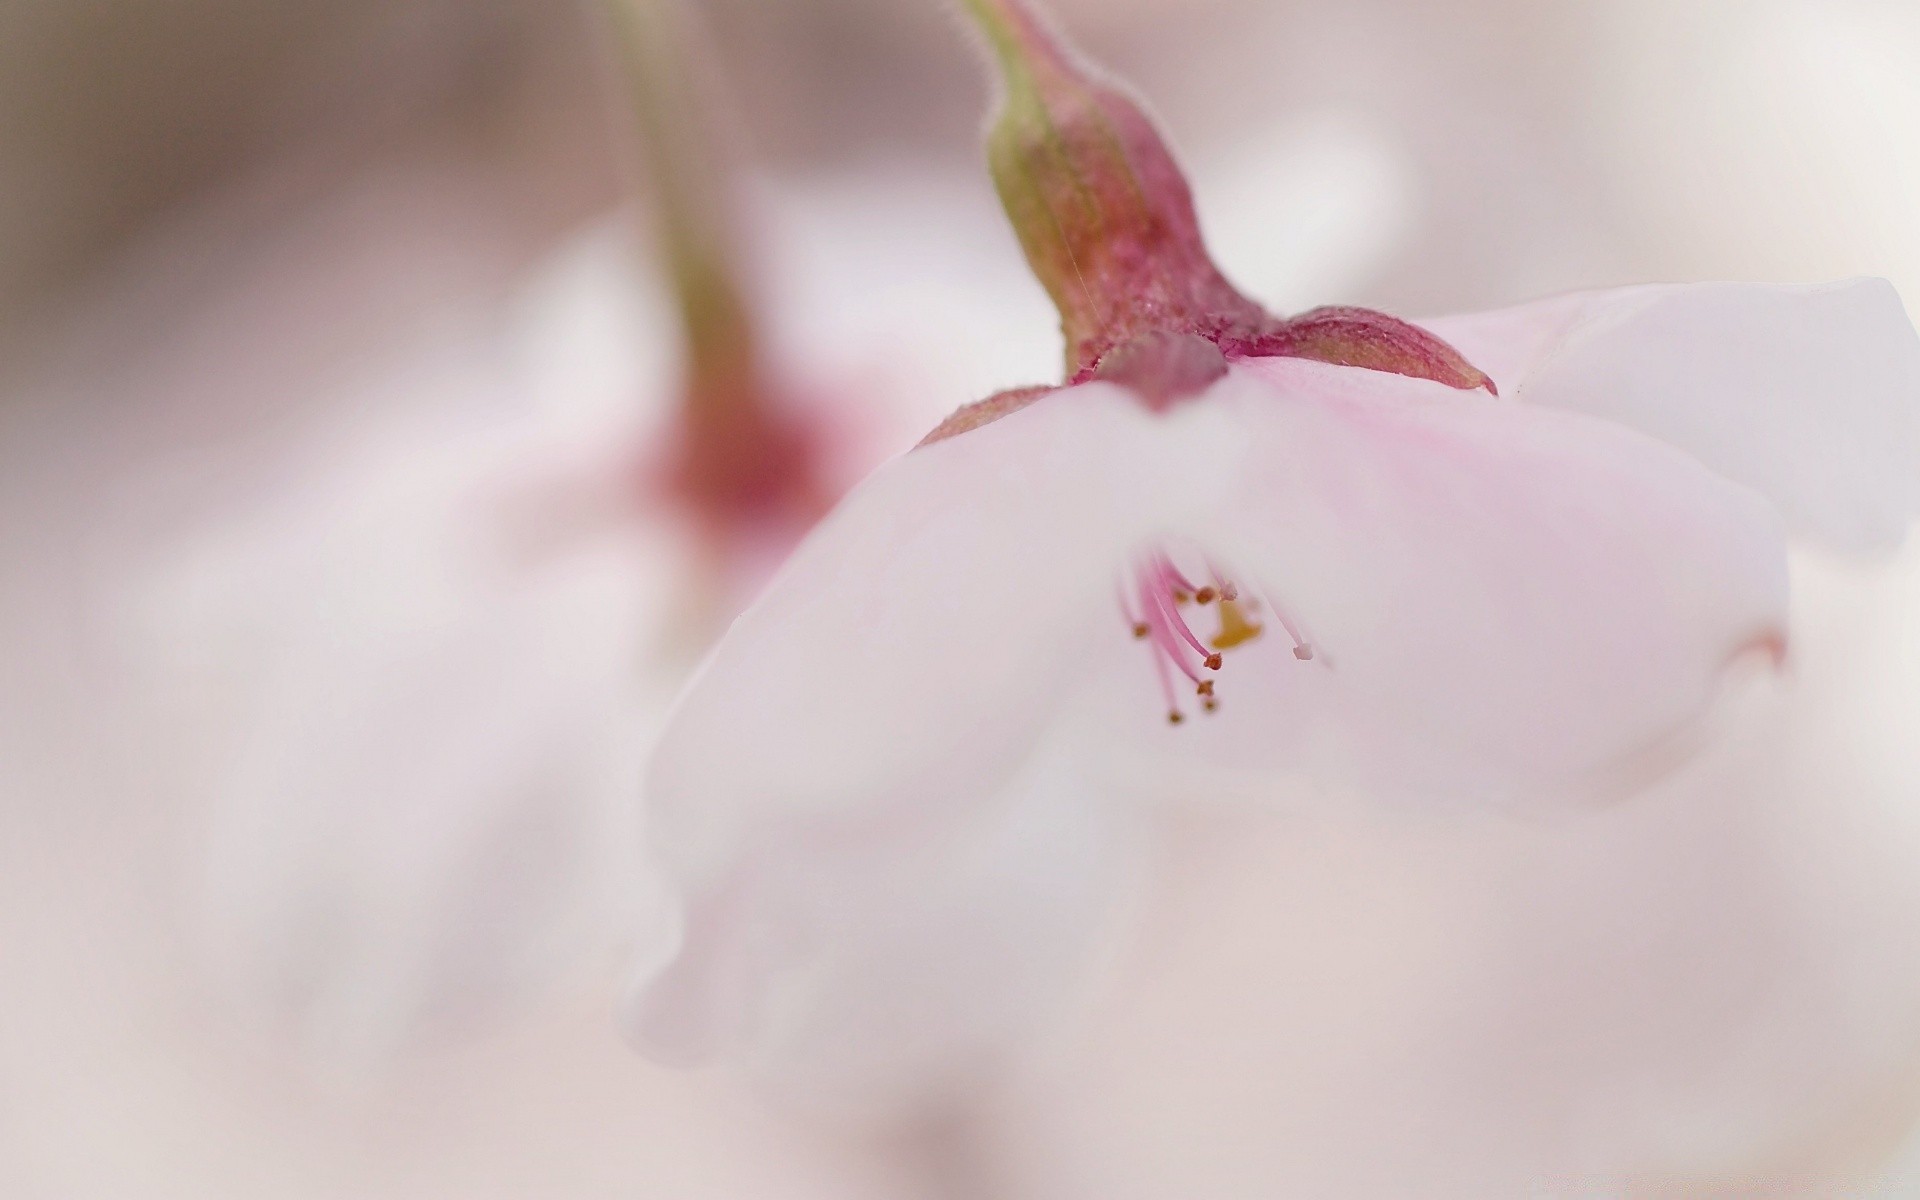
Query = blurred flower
x=414 y=824
x=301 y=468
x=441 y=636
x=436 y=643
x=896 y=791
x=431 y=653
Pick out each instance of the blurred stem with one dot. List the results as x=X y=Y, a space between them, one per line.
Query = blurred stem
x=683 y=154
x=1019 y=39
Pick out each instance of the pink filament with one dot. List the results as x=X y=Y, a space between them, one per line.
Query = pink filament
x=1153 y=613
x=1161 y=581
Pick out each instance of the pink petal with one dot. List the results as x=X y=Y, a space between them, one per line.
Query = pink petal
x=874 y=959
x=1500 y=599
x=880 y=699
x=1810 y=395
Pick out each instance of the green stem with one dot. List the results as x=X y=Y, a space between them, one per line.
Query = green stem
x=682 y=154
x=1020 y=39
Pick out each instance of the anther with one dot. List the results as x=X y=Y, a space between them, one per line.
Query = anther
x=1153 y=613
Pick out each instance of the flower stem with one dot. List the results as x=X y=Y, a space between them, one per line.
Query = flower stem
x=688 y=179
x=1018 y=37
x=1101 y=208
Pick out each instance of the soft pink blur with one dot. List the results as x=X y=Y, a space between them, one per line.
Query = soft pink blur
x=247 y=250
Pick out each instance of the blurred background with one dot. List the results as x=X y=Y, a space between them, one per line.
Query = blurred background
x=294 y=296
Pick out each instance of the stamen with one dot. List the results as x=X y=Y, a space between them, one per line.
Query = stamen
x=1140 y=630
x=1180 y=582
x=1153 y=612
x=1174 y=716
x=1169 y=629
x=1302 y=649
x=1221 y=584
x=1177 y=625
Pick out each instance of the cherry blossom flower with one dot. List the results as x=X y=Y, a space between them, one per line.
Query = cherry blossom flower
x=1501 y=559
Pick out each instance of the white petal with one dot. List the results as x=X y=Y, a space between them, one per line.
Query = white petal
x=869 y=960
x=918 y=643
x=854 y=735
x=1811 y=395
x=1500 y=599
